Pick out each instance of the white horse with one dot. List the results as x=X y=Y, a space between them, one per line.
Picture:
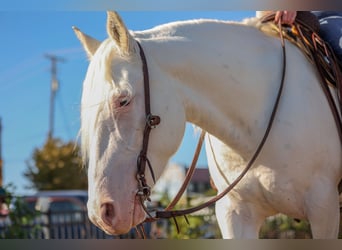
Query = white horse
x=222 y=77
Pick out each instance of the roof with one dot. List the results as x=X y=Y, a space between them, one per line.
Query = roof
x=200 y=175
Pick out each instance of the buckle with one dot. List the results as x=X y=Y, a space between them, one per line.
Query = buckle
x=152 y=120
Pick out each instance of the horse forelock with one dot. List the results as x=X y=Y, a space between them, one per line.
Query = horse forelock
x=98 y=89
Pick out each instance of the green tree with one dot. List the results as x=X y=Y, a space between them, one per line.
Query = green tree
x=56 y=165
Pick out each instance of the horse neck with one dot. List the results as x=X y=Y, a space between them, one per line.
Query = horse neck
x=223 y=86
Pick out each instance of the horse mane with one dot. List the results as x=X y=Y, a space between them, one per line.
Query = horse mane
x=180 y=28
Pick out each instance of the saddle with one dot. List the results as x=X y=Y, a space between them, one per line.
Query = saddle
x=304 y=34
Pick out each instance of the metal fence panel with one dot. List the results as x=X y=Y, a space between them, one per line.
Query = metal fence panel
x=59 y=225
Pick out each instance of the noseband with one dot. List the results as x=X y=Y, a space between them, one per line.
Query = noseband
x=144 y=190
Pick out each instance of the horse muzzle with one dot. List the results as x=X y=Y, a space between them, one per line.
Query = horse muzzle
x=117 y=218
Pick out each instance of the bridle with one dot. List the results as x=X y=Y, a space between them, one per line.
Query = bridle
x=144 y=191
x=151 y=121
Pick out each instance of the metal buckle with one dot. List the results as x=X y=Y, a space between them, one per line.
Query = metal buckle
x=152 y=120
x=144 y=192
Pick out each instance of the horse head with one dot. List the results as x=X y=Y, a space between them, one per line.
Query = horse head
x=112 y=126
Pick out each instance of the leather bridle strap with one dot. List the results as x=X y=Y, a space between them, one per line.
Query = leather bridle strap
x=175 y=213
x=144 y=191
x=189 y=173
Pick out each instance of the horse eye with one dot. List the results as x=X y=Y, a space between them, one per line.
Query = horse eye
x=124 y=102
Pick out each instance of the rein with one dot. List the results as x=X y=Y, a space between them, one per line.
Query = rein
x=144 y=191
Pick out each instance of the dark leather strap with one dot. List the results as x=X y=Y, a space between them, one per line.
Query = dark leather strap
x=175 y=213
x=152 y=121
x=189 y=174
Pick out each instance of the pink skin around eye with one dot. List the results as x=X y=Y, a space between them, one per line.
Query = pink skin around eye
x=121 y=102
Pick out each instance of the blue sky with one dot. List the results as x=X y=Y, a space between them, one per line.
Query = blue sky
x=25 y=77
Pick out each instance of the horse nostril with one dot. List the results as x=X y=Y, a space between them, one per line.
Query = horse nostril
x=107 y=213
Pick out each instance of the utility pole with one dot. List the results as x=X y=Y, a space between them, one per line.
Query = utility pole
x=1 y=176
x=54 y=87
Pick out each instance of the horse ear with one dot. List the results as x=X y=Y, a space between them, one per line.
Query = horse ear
x=117 y=31
x=90 y=44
